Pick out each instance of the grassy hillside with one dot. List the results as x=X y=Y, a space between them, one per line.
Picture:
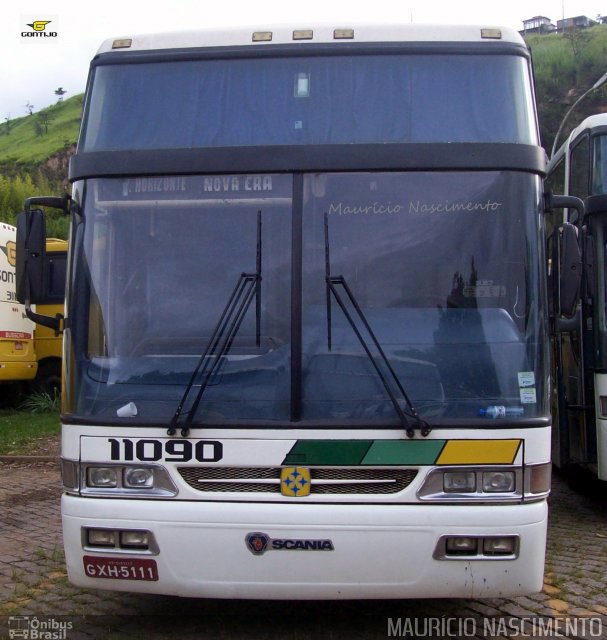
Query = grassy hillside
x=565 y=67
x=27 y=145
x=34 y=138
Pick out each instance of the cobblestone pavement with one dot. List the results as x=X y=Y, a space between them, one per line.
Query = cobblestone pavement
x=33 y=582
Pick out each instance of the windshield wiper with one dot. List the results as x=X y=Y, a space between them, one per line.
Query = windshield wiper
x=332 y=284
x=248 y=286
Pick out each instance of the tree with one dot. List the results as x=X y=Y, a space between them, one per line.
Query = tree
x=60 y=92
x=30 y=108
x=43 y=122
x=577 y=39
x=9 y=125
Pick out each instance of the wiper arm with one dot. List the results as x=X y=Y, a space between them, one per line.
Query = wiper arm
x=332 y=284
x=247 y=287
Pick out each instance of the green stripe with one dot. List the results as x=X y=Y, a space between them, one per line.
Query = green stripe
x=403 y=452
x=329 y=452
x=363 y=452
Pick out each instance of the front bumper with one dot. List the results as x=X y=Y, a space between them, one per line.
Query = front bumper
x=378 y=551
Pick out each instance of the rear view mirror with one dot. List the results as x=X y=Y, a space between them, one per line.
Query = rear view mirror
x=31 y=256
x=570 y=271
x=31 y=265
x=567 y=262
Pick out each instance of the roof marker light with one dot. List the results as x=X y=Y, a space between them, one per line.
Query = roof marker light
x=303 y=34
x=125 y=43
x=343 y=34
x=262 y=36
x=491 y=34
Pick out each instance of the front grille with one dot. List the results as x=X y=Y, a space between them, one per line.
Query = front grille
x=323 y=480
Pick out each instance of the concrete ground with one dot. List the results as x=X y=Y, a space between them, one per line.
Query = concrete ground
x=33 y=584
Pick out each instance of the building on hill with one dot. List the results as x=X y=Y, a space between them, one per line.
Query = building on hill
x=579 y=22
x=538 y=24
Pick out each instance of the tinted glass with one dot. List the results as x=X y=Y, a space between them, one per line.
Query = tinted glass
x=160 y=260
x=310 y=100
x=444 y=270
x=599 y=166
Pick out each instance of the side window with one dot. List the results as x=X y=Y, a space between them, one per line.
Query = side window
x=579 y=171
x=599 y=166
x=555 y=181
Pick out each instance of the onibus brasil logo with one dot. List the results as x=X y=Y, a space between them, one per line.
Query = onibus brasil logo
x=32 y=628
x=39 y=30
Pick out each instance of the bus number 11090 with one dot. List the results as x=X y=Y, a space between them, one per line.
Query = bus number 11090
x=150 y=450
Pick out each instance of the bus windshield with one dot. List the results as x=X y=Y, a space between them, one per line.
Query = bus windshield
x=302 y=100
x=441 y=264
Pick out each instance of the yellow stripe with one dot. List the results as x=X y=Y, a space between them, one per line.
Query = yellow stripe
x=479 y=452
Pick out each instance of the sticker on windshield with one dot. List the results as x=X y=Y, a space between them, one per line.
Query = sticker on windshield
x=485 y=289
x=528 y=396
x=526 y=379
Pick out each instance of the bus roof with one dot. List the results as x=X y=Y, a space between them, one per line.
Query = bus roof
x=320 y=33
x=591 y=122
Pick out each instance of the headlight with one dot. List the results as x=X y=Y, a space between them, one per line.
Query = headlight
x=126 y=481
x=461 y=545
x=125 y=541
x=459 y=481
x=475 y=547
x=138 y=477
x=498 y=481
x=138 y=539
x=101 y=537
x=504 y=546
x=105 y=477
x=487 y=484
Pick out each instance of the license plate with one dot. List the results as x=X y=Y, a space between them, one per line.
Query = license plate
x=121 y=568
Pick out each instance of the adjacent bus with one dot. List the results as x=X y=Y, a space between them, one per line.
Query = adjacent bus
x=579 y=168
x=17 y=355
x=306 y=348
x=30 y=354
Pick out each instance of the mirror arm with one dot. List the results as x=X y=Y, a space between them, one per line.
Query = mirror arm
x=565 y=202
x=52 y=322
x=566 y=325
x=55 y=202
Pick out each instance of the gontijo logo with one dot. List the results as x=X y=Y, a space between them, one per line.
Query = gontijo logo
x=11 y=252
x=39 y=25
x=39 y=30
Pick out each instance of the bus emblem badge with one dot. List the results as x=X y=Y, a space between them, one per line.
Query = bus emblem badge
x=257 y=542
x=295 y=482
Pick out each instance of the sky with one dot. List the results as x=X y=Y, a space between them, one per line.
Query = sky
x=31 y=69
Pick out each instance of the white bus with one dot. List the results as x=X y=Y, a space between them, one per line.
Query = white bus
x=579 y=168
x=306 y=349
